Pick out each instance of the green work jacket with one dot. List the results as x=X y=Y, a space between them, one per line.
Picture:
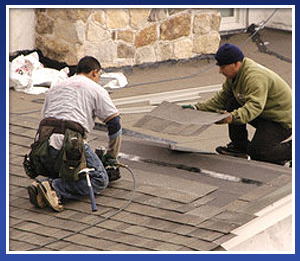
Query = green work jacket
x=259 y=91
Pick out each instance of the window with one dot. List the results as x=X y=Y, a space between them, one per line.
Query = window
x=232 y=19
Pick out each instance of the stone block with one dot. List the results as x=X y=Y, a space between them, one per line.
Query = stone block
x=183 y=49
x=82 y=14
x=146 y=36
x=176 y=27
x=202 y=23
x=145 y=55
x=206 y=43
x=164 y=51
x=125 y=35
x=70 y=14
x=138 y=18
x=173 y=11
x=96 y=33
x=81 y=31
x=216 y=21
x=65 y=30
x=105 y=52
x=125 y=51
x=99 y=16
x=44 y=24
x=56 y=13
x=72 y=56
x=158 y=14
x=117 y=18
x=52 y=48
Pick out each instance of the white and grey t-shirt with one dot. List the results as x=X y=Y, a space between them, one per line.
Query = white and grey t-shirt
x=79 y=99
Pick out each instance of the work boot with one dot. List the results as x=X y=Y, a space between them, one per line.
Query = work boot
x=113 y=173
x=50 y=197
x=232 y=150
x=35 y=197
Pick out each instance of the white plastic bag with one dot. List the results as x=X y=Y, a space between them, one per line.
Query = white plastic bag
x=113 y=80
x=26 y=73
x=20 y=73
x=48 y=77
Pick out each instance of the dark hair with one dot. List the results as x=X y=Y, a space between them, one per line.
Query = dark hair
x=87 y=64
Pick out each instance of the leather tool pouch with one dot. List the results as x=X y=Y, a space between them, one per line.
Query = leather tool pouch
x=40 y=148
x=72 y=159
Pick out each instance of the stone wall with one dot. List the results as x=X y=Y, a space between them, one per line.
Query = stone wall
x=126 y=37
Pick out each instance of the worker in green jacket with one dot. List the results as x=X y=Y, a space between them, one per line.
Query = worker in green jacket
x=255 y=95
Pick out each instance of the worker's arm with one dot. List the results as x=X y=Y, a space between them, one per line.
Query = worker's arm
x=114 y=133
x=218 y=101
x=214 y=104
x=107 y=112
x=253 y=100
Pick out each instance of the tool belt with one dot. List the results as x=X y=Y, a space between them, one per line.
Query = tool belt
x=59 y=126
x=71 y=158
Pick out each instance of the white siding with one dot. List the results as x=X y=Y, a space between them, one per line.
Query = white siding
x=21 y=29
x=282 y=19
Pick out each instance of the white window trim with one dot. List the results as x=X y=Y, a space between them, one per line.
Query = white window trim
x=237 y=22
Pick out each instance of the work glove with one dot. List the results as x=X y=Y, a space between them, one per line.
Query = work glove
x=188 y=106
x=112 y=167
x=108 y=160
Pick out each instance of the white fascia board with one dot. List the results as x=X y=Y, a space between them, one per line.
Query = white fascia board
x=266 y=218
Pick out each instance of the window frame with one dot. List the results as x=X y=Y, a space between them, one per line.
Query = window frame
x=237 y=22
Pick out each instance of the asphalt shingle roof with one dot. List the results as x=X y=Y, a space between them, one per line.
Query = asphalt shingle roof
x=181 y=202
x=159 y=218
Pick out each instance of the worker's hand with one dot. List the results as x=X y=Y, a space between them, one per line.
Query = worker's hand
x=108 y=160
x=226 y=120
x=188 y=106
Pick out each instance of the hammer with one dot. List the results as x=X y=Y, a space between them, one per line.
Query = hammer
x=92 y=195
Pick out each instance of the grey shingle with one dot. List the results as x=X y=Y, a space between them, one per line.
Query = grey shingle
x=172 y=119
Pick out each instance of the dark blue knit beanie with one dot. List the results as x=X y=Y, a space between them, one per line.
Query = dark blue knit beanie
x=228 y=53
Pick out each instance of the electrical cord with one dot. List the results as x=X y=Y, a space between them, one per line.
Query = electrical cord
x=125 y=166
x=261 y=25
x=103 y=220
x=175 y=78
x=131 y=197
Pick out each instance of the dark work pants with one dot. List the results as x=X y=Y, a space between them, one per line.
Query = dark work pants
x=267 y=143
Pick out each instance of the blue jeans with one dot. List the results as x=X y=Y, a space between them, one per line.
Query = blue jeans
x=76 y=189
